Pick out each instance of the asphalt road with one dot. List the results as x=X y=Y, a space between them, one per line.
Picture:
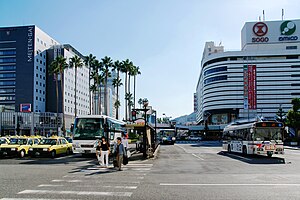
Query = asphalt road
x=181 y=171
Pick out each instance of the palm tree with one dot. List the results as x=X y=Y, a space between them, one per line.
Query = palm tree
x=126 y=65
x=75 y=62
x=136 y=71
x=106 y=63
x=89 y=62
x=58 y=66
x=93 y=88
x=97 y=77
x=117 y=82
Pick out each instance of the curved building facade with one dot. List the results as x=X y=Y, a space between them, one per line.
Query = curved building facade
x=258 y=80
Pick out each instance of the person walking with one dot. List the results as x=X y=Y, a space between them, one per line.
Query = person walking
x=120 y=152
x=125 y=141
x=105 y=149
x=98 y=151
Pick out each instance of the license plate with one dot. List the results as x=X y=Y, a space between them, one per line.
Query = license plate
x=87 y=151
x=45 y=149
x=13 y=149
x=269 y=148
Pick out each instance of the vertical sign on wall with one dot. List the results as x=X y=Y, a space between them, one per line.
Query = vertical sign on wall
x=245 y=70
x=252 y=87
x=249 y=87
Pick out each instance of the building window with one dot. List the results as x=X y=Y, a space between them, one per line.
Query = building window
x=216 y=78
x=37 y=75
x=36 y=90
x=41 y=91
x=291 y=47
x=7 y=60
x=36 y=82
x=40 y=69
x=7 y=68
x=36 y=98
x=37 y=67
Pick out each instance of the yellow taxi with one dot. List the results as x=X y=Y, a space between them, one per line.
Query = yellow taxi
x=50 y=147
x=17 y=146
x=4 y=140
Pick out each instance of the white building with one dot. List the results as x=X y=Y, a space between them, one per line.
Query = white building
x=82 y=85
x=257 y=80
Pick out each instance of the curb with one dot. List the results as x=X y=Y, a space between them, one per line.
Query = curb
x=156 y=152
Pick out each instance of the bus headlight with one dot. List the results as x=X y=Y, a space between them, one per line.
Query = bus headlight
x=173 y=138
x=31 y=149
x=76 y=145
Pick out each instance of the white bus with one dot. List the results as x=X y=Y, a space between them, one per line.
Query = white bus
x=260 y=138
x=88 y=129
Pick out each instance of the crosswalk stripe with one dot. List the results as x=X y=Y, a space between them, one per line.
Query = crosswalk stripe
x=50 y=185
x=119 y=194
x=32 y=199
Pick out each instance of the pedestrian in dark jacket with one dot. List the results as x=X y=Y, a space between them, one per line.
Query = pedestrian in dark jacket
x=120 y=152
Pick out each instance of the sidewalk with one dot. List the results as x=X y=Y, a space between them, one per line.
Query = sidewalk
x=292 y=147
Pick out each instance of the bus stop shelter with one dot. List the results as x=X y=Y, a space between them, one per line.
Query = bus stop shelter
x=147 y=142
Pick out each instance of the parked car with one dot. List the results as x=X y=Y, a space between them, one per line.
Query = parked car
x=4 y=140
x=18 y=146
x=51 y=147
x=194 y=138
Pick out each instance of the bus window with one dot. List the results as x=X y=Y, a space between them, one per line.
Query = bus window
x=88 y=129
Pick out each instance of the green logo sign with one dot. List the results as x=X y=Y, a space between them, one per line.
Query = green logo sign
x=287 y=28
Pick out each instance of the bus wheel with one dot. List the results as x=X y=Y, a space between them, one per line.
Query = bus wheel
x=244 y=150
x=269 y=154
x=229 y=149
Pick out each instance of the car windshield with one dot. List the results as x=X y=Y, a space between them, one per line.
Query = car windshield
x=2 y=141
x=88 y=128
x=18 y=141
x=48 y=141
x=267 y=134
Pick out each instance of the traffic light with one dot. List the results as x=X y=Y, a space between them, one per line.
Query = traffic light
x=133 y=113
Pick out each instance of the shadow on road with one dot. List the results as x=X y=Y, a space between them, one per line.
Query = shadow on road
x=207 y=144
x=253 y=159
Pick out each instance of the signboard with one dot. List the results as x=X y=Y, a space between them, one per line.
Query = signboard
x=250 y=100
x=26 y=107
x=270 y=32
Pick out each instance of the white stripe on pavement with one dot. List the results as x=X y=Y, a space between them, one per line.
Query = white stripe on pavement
x=119 y=194
x=197 y=156
x=68 y=181
x=229 y=184
x=32 y=199
x=50 y=185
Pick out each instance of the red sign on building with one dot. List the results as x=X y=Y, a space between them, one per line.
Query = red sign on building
x=250 y=87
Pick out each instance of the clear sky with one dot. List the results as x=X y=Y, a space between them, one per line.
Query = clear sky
x=165 y=38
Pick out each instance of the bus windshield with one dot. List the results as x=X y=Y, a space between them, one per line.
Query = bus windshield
x=88 y=128
x=267 y=134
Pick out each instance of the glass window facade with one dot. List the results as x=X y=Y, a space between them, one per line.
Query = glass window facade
x=7 y=68
x=7 y=60
x=7 y=52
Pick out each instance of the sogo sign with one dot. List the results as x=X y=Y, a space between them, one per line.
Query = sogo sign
x=287 y=28
x=260 y=29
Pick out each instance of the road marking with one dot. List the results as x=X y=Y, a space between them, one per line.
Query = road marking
x=119 y=194
x=197 y=156
x=50 y=185
x=31 y=199
x=69 y=181
x=229 y=184
x=182 y=148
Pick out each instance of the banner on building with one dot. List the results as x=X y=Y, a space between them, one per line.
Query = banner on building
x=250 y=87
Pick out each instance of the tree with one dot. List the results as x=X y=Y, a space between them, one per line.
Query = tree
x=106 y=63
x=135 y=72
x=293 y=115
x=117 y=82
x=97 y=76
x=126 y=65
x=140 y=102
x=89 y=62
x=75 y=62
x=58 y=66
